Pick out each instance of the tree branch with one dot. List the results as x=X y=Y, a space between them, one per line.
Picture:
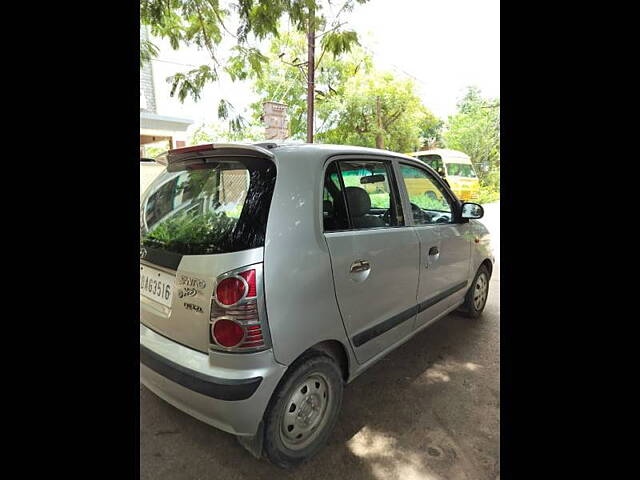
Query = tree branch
x=298 y=65
x=217 y=14
x=391 y=119
x=206 y=36
x=321 y=55
x=331 y=30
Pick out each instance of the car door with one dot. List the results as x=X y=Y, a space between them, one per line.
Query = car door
x=445 y=246
x=374 y=255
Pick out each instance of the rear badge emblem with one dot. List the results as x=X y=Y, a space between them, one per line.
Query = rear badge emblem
x=187 y=292
x=192 y=307
x=192 y=282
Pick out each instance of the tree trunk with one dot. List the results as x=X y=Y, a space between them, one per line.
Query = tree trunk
x=311 y=50
x=379 y=136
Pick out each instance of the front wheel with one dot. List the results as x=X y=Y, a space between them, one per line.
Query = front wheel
x=476 y=298
x=303 y=411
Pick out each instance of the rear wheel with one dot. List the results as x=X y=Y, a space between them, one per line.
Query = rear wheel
x=431 y=195
x=476 y=298
x=303 y=411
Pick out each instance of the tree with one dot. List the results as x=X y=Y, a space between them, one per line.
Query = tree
x=218 y=132
x=203 y=23
x=431 y=131
x=378 y=110
x=283 y=80
x=475 y=130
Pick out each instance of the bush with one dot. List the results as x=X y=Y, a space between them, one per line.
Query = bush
x=488 y=195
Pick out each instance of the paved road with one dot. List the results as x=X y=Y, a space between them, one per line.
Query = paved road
x=430 y=410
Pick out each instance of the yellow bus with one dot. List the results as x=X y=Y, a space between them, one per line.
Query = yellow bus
x=456 y=168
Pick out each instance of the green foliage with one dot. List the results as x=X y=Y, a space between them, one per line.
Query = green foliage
x=244 y=63
x=488 y=195
x=147 y=51
x=153 y=152
x=219 y=133
x=475 y=130
x=339 y=42
x=379 y=200
x=284 y=80
x=431 y=132
x=353 y=119
x=203 y=23
x=191 y=83
x=191 y=233
x=346 y=90
x=430 y=203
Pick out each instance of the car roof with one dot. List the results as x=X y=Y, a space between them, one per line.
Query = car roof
x=325 y=150
x=307 y=152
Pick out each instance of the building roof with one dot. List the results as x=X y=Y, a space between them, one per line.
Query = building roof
x=153 y=121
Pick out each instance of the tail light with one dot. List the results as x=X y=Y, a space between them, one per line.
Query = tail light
x=230 y=291
x=238 y=317
x=227 y=332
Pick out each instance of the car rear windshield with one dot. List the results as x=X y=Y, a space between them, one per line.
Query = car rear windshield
x=217 y=207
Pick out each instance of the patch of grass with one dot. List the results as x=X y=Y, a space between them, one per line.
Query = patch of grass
x=429 y=203
x=379 y=200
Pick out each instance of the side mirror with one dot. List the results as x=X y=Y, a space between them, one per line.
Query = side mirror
x=472 y=211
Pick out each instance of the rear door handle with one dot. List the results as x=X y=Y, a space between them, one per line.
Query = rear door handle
x=434 y=251
x=360 y=266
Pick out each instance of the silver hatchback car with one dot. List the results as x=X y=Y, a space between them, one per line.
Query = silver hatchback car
x=271 y=275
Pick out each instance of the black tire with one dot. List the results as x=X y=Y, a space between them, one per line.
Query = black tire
x=431 y=194
x=312 y=364
x=470 y=307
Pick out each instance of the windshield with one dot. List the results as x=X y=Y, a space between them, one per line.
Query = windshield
x=434 y=161
x=218 y=209
x=461 y=170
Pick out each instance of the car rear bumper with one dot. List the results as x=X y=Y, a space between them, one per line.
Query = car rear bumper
x=227 y=391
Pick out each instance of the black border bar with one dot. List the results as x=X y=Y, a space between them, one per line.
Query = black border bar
x=158 y=256
x=219 y=388
x=377 y=330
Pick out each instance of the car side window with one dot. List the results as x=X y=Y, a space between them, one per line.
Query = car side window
x=334 y=210
x=430 y=204
x=370 y=194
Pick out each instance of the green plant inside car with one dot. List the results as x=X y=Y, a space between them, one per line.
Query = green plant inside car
x=183 y=233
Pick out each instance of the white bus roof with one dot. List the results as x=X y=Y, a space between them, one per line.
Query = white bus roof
x=445 y=154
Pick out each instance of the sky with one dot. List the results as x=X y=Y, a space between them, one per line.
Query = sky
x=444 y=45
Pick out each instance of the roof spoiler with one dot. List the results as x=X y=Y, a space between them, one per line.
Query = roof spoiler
x=211 y=150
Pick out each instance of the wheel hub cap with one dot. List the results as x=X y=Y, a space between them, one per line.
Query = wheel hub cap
x=305 y=412
x=480 y=291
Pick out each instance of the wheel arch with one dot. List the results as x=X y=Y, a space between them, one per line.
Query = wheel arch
x=489 y=264
x=336 y=350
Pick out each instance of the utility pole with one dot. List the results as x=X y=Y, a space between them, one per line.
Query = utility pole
x=379 y=136
x=311 y=70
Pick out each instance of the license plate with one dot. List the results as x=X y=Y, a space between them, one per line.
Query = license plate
x=156 y=285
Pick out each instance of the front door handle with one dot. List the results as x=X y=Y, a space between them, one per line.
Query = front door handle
x=360 y=266
x=434 y=254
